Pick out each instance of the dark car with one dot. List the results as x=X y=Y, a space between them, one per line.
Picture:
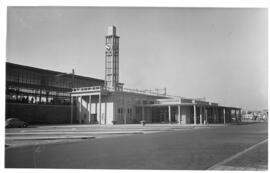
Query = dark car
x=15 y=122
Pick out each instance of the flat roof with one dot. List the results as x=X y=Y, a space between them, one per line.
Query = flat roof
x=9 y=64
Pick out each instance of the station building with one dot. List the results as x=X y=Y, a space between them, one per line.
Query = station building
x=44 y=96
x=112 y=103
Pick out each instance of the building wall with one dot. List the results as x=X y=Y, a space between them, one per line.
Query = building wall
x=107 y=109
x=39 y=114
x=109 y=112
x=117 y=106
x=125 y=107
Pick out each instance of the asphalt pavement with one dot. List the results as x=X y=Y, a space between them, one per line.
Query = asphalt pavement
x=44 y=134
x=195 y=149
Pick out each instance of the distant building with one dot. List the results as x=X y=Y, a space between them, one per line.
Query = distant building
x=255 y=115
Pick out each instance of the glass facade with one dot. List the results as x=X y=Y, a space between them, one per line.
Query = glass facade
x=26 y=84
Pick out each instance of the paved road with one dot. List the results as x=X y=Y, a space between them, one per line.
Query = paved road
x=44 y=134
x=196 y=149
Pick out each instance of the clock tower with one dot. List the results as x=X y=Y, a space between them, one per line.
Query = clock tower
x=112 y=59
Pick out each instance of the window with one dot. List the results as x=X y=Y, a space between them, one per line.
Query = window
x=129 y=110
x=120 y=110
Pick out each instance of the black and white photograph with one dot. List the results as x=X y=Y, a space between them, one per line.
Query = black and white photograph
x=135 y=87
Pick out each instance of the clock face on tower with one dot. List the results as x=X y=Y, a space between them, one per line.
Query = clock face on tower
x=108 y=49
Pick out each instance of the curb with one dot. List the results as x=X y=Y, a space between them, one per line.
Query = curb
x=71 y=133
x=52 y=138
x=21 y=137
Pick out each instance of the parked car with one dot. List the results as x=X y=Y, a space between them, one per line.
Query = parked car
x=15 y=122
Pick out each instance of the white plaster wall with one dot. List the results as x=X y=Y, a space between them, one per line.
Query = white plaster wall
x=110 y=105
x=93 y=108
x=109 y=112
x=128 y=101
x=103 y=113
x=101 y=118
x=97 y=109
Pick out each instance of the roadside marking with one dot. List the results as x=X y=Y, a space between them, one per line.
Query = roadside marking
x=237 y=168
x=37 y=150
x=235 y=156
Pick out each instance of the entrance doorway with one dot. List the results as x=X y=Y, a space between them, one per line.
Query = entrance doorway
x=93 y=118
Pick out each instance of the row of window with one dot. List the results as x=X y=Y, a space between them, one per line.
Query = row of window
x=112 y=40
x=120 y=110
x=29 y=77
x=35 y=92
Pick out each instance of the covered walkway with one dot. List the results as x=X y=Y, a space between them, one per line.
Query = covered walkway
x=183 y=111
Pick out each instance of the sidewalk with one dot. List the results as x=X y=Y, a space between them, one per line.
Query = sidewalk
x=255 y=159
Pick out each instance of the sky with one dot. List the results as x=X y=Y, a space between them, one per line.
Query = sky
x=217 y=53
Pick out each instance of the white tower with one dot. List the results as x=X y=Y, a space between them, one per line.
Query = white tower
x=112 y=59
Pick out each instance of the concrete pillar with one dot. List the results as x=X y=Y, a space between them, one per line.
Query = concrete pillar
x=77 y=108
x=224 y=116
x=96 y=112
x=143 y=112
x=80 y=116
x=235 y=115
x=35 y=96
x=99 y=101
x=194 y=114
x=105 y=113
x=71 y=109
x=217 y=111
x=240 y=115
x=90 y=102
x=40 y=92
x=214 y=114
x=179 y=114
x=170 y=115
x=206 y=117
x=47 y=95
x=201 y=115
x=217 y=117
x=125 y=117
